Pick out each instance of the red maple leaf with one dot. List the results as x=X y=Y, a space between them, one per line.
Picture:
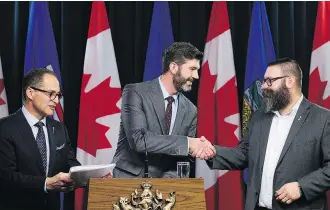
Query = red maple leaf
x=316 y=89
x=213 y=108
x=227 y=105
x=2 y=87
x=206 y=109
x=100 y=101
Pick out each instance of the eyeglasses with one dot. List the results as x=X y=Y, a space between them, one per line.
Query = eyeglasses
x=52 y=94
x=269 y=81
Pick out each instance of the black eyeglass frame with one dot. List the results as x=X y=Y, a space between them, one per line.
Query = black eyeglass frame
x=52 y=94
x=269 y=81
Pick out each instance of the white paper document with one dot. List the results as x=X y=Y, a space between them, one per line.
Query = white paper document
x=81 y=174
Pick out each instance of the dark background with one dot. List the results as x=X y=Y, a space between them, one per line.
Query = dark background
x=292 y=25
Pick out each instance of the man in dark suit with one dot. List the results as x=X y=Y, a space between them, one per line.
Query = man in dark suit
x=35 y=150
x=157 y=117
x=286 y=147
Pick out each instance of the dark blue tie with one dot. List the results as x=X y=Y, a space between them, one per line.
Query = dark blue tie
x=41 y=141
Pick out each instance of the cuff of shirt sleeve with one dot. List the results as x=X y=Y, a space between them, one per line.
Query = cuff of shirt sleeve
x=45 y=186
x=188 y=145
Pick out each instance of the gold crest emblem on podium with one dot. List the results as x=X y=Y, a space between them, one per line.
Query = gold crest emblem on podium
x=146 y=200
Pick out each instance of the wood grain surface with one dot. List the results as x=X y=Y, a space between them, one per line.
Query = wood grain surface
x=103 y=193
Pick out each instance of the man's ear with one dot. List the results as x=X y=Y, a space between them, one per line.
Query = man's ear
x=290 y=82
x=174 y=68
x=29 y=93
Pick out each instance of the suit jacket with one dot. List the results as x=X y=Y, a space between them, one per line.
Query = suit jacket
x=143 y=121
x=305 y=157
x=23 y=178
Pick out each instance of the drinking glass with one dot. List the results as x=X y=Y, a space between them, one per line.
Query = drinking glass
x=183 y=169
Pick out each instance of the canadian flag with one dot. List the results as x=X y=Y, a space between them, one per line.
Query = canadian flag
x=218 y=113
x=100 y=98
x=3 y=97
x=319 y=87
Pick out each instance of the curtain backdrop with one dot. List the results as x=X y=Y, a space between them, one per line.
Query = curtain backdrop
x=292 y=26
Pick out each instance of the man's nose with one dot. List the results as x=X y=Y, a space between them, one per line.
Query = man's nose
x=195 y=74
x=264 y=85
x=56 y=100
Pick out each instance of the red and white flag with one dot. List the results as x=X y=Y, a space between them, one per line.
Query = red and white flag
x=218 y=112
x=319 y=78
x=3 y=97
x=100 y=98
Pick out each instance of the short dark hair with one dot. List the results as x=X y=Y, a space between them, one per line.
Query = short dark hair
x=179 y=52
x=289 y=67
x=34 y=79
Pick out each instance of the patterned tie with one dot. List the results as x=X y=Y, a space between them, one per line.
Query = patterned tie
x=168 y=113
x=41 y=141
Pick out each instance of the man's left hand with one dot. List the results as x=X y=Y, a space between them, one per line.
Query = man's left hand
x=109 y=175
x=288 y=193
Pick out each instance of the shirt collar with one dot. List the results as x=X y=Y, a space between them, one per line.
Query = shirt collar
x=32 y=120
x=294 y=109
x=165 y=93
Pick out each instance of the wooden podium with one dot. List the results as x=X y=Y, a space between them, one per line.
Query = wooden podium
x=103 y=193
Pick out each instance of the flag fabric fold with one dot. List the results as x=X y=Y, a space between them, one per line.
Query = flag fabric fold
x=259 y=53
x=3 y=96
x=218 y=112
x=100 y=98
x=40 y=50
x=160 y=38
x=319 y=89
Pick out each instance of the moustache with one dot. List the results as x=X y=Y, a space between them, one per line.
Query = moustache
x=191 y=79
x=267 y=93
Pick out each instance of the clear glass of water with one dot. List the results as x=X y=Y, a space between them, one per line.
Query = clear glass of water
x=183 y=169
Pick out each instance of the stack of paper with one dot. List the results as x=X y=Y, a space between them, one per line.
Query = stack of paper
x=81 y=174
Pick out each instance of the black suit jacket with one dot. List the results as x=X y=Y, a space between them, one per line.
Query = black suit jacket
x=23 y=178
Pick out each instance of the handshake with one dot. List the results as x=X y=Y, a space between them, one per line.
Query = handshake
x=201 y=148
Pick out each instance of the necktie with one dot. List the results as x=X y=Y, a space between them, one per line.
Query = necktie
x=168 y=113
x=41 y=142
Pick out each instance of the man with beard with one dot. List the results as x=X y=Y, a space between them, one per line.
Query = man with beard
x=286 y=148
x=156 y=117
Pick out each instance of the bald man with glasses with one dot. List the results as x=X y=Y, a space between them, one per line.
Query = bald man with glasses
x=35 y=151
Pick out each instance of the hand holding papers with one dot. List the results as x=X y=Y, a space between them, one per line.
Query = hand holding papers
x=81 y=174
x=59 y=182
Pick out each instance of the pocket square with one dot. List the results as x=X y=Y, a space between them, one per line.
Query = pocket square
x=60 y=147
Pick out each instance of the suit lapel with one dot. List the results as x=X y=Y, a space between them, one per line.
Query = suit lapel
x=179 y=115
x=27 y=134
x=52 y=144
x=298 y=121
x=265 y=129
x=158 y=103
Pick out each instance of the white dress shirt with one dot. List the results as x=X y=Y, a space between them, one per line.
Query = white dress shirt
x=278 y=134
x=32 y=121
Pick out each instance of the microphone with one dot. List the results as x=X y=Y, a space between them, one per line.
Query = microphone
x=146 y=164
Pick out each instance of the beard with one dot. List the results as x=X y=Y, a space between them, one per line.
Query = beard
x=276 y=100
x=179 y=82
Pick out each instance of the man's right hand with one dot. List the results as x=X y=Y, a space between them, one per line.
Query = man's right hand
x=59 y=182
